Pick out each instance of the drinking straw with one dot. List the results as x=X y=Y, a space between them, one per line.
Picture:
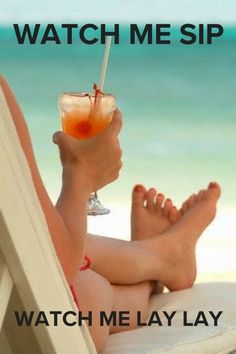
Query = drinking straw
x=104 y=63
x=103 y=75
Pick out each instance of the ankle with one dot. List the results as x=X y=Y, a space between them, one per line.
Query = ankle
x=156 y=287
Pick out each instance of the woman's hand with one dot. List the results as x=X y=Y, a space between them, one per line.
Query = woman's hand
x=96 y=160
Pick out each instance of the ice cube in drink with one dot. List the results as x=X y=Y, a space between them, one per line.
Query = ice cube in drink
x=85 y=114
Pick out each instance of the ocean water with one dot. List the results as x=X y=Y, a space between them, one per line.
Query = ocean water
x=178 y=102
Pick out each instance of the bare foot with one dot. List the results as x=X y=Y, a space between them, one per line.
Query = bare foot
x=151 y=213
x=174 y=250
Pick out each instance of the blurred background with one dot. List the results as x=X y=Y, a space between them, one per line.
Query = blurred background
x=178 y=102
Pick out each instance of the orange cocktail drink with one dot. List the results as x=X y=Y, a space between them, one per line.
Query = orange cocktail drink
x=85 y=114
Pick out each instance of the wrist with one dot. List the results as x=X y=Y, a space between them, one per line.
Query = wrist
x=77 y=179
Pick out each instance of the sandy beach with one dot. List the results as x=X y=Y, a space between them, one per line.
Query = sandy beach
x=215 y=252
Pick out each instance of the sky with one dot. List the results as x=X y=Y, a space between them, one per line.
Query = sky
x=128 y=11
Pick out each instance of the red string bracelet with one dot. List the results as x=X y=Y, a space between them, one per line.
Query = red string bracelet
x=83 y=267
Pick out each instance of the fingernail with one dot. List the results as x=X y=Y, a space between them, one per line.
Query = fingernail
x=54 y=139
x=138 y=188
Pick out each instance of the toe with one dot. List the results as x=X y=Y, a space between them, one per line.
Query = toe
x=173 y=215
x=167 y=207
x=188 y=203
x=138 y=195
x=200 y=195
x=150 y=196
x=214 y=190
x=184 y=207
x=159 y=201
x=191 y=200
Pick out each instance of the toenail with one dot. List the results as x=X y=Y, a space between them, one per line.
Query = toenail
x=160 y=195
x=212 y=185
x=168 y=200
x=152 y=190
x=174 y=207
x=138 y=188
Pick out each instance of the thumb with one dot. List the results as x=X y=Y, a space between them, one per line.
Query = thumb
x=116 y=123
x=57 y=137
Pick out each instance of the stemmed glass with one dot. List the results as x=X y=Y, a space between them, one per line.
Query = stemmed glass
x=83 y=115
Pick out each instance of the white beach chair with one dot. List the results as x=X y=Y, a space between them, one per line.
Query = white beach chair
x=31 y=278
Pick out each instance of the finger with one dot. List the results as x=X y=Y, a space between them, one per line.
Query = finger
x=116 y=123
x=56 y=138
x=62 y=139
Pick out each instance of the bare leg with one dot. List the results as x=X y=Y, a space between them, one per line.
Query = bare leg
x=125 y=262
x=151 y=215
x=174 y=250
x=121 y=262
x=96 y=294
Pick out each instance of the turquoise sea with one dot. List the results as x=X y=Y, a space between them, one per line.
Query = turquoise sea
x=179 y=106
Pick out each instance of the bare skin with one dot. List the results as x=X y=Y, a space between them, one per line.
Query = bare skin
x=168 y=257
x=198 y=211
x=69 y=246
x=151 y=213
x=161 y=258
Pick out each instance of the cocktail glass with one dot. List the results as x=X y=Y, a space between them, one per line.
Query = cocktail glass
x=84 y=115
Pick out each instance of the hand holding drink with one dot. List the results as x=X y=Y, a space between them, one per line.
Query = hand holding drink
x=97 y=159
x=85 y=115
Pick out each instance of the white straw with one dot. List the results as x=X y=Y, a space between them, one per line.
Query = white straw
x=104 y=63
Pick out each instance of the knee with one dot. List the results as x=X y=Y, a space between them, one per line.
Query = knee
x=94 y=290
x=95 y=294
